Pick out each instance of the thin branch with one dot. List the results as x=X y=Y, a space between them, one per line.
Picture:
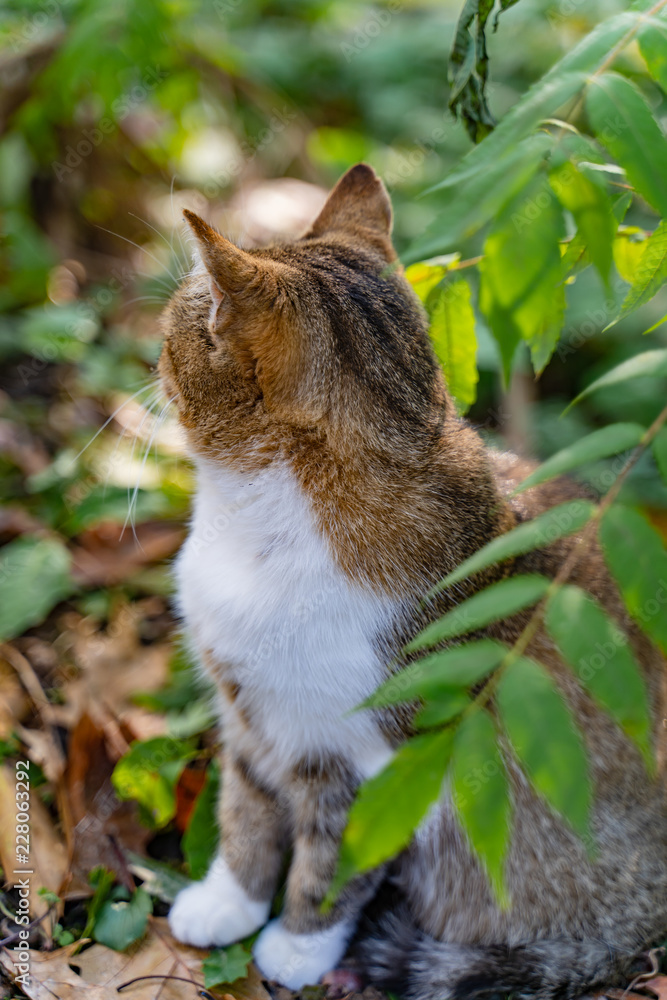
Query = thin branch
x=202 y=992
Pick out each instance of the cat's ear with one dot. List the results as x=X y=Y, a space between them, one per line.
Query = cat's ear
x=230 y=270
x=358 y=206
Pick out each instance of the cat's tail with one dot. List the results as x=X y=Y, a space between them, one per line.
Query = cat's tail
x=395 y=955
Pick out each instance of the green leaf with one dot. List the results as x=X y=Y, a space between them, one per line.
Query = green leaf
x=34 y=577
x=637 y=559
x=541 y=101
x=424 y=277
x=226 y=965
x=461 y=211
x=651 y=273
x=660 y=451
x=520 y=290
x=592 y=210
x=561 y=84
x=591 y=448
x=602 y=658
x=158 y=879
x=453 y=335
x=628 y=253
x=557 y=522
x=498 y=601
x=148 y=773
x=202 y=836
x=121 y=922
x=545 y=740
x=459 y=666
x=652 y=38
x=102 y=880
x=468 y=67
x=449 y=703
x=622 y=121
x=389 y=807
x=480 y=793
x=647 y=363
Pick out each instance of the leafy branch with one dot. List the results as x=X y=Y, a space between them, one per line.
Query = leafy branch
x=457 y=729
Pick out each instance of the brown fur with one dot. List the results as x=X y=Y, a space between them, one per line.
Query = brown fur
x=316 y=352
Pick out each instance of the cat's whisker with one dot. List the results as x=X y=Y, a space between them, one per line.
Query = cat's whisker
x=176 y=255
x=126 y=402
x=157 y=299
x=149 y=405
x=158 y=422
x=143 y=249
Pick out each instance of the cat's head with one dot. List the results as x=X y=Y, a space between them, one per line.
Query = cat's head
x=319 y=336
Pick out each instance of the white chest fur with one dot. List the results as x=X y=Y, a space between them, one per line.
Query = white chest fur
x=258 y=587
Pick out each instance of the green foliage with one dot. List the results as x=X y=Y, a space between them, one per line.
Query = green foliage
x=520 y=292
x=660 y=451
x=555 y=763
x=148 y=774
x=651 y=272
x=600 y=444
x=557 y=522
x=122 y=919
x=624 y=123
x=202 y=836
x=646 y=363
x=500 y=600
x=600 y=654
x=468 y=66
x=453 y=335
x=390 y=805
x=34 y=576
x=480 y=793
x=459 y=666
x=226 y=965
x=636 y=557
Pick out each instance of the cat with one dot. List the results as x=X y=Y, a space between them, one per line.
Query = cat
x=335 y=485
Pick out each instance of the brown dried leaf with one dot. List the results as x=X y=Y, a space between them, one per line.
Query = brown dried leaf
x=14 y=703
x=114 y=664
x=95 y=973
x=51 y=976
x=657 y=985
x=99 y=827
x=48 y=855
x=101 y=558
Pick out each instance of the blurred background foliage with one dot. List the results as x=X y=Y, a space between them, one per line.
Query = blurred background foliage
x=115 y=116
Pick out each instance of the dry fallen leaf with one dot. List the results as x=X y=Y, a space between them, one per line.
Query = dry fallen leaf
x=114 y=663
x=99 y=827
x=44 y=747
x=14 y=702
x=188 y=787
x=95 y=973
x=102 y=558
x=48 y=855
x=657 y=985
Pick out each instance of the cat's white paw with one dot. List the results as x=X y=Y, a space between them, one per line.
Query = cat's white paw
x=298 y=960
x=216 y=911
